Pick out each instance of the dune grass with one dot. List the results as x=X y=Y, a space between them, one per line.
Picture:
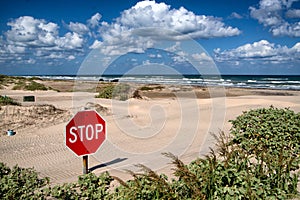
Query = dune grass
x=5 y=100
x=22 y=83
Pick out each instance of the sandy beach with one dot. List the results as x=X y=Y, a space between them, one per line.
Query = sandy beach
x=177 y=120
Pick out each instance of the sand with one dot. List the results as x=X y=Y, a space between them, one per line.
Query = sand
x=138 y=130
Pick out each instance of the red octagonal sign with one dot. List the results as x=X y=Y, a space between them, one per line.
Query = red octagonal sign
x=85 y=132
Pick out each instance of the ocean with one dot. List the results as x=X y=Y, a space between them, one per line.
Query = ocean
x=284 y=82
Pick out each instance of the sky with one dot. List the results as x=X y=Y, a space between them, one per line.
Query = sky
x=60 y=37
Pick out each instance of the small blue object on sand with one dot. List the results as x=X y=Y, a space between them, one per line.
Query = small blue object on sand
x=10 y=132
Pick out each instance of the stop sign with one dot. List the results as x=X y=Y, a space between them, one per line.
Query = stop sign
x=85 y=132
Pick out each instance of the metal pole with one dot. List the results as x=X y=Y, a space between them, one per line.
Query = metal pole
x=85 y=163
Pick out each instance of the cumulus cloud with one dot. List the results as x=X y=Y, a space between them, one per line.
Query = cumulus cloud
x=96 y=44
x=15 y=49
x=148 y=21
x=201 y=57
x=27 y=31
x=152 y=14
x=293 y=13
x=259 y=51
x=78 y=28
x=40 y=39
x=94 y=20
x=70 y=41
x=270 y=14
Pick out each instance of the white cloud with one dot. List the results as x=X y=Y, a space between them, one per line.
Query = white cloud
x=78 y=28
x=55 y=55
x=292 y=30
x=201 y=57
x=179 y=59
x=296 y=47
x=31 y=40
x=140 y=26
x=270 y=14
x=293 y=13
x=152 y=14
x=96 y=44
x=260 y=51
x=15 y=49
x=31 y=61
x=29 y=32
x=176 y=47
x=71 y=57
x=154 y=56
x=235 y=15
x=146 y=62
x=94 y=20
x=70 y=41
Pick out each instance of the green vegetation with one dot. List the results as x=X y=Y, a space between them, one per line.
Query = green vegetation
x=106 y=91
x=4 y=80
x=136 y=94
x=20 y=183
x=269 y=133
x=29 y=85
x=251 y=163
x=148 y=88
x=5 y=100
x=22 y=83
x=113 y=91
x=35 y=86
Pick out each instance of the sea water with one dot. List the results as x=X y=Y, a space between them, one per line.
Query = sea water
x=284 y=82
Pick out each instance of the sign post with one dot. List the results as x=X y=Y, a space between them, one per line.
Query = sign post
x=85 y=164
x=85 y=133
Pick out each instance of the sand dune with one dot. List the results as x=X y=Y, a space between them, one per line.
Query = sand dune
x=139 y=130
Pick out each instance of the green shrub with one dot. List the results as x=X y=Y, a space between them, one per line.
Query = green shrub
x=269 y=131
x=111 y=91
x=5 y=100
x=147 y=185
x=146 y=88
x=88 y=186
x=3 y=79
x=19 y=85
x=32 y=86
x=136 y=94
x=106 y=92
x=94 y=187
x=64 y=191
x=20 y=183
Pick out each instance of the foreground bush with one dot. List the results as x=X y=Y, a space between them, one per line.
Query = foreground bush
x=269 y=132
x=5 y=100
x=247 y=166
x=20 y=183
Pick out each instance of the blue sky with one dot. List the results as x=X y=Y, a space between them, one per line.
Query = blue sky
x=240 y=37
